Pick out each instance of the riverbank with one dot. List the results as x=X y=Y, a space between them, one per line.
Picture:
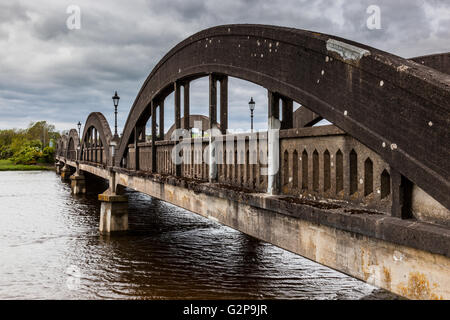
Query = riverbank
x=8 y=165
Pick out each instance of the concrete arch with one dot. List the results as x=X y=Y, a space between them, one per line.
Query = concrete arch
x=439 y=61
x=98 y=121
x=63 y=144
x=72 y=145
x=304 y=117
x=58 y=147
x=396 y=107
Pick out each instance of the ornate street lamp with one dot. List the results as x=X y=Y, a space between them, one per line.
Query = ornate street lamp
x=79 y=130
x=251 y=105
x=116 y=103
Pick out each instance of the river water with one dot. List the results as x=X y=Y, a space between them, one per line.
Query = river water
x=50 y=248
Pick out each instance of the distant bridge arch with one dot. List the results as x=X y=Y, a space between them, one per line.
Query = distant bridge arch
x=95 y=144
x=63 y=143
x=73 y=145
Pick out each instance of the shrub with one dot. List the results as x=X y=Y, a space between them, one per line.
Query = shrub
x=27 y=155
x=5 y=152
x=48 y=154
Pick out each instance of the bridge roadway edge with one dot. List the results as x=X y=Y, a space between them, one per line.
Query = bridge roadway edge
x=374 y=248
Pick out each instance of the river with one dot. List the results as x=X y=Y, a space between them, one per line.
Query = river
x=50 y=248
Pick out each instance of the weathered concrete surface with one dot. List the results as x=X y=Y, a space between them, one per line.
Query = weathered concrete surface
x=439 y=61
x=303 y=117
x=425 y=208
x=93 y=168
x=407 y=271
x=113 y=212
x=65 y=173
x=58 y=166
x=78 y=183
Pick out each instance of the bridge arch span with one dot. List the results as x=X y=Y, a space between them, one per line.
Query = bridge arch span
x=395 y=106
x=63 y=143
x=73 y=145
x=96 y=140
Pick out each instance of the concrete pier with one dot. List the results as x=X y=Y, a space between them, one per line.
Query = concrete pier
x=113 y=212
x=78 y=183
x=58 y=166
x=65 y=173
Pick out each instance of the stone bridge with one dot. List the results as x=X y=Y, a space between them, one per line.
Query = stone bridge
x=368 y=195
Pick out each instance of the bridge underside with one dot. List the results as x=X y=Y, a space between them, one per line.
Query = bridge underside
x=361 y=243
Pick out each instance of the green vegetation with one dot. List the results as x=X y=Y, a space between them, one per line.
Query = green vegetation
x=28 y=149
x=8 y=165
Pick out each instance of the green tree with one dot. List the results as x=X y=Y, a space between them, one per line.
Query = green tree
x=30 y=145
x=42 y=131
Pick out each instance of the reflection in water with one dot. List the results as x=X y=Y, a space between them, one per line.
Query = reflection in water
x=50 y=248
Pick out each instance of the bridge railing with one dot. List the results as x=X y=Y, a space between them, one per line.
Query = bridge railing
x=94 y=154
x=326 y=163
x=316 y=162
x=245 y=163
x=237 y=167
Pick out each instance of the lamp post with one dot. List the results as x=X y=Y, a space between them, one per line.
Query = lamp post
x=251 y=105
x=116 y=103
x=79 y=130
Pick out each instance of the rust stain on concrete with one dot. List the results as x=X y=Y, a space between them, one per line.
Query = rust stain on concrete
x=387 y=277
x=418 y=288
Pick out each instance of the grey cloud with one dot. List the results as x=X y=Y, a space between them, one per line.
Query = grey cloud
x=52 y=73
x=12 y=12
x=186 y=10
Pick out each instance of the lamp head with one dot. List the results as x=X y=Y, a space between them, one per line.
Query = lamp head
x=251 y=104
x=116 y=99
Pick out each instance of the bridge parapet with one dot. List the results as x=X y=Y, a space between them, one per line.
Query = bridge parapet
x=318 y=163
x=326 y=163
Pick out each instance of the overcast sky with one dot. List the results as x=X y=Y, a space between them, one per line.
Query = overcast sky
x=48 y=72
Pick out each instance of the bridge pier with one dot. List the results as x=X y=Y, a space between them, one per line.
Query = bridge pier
x=58 y=166
x=113 y=212
x=78 y=181
x=65 y=173
x=113 y=208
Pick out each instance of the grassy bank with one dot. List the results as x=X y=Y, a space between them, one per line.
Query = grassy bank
x=8 y=165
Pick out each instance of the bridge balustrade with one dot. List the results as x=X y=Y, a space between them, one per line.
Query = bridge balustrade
x=236 y=168
x=328 y=164
x=317 y=162
x=244 y=164
x=95 y=154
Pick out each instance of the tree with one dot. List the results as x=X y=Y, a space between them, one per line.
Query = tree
x=42 y=131
x=30 y=145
